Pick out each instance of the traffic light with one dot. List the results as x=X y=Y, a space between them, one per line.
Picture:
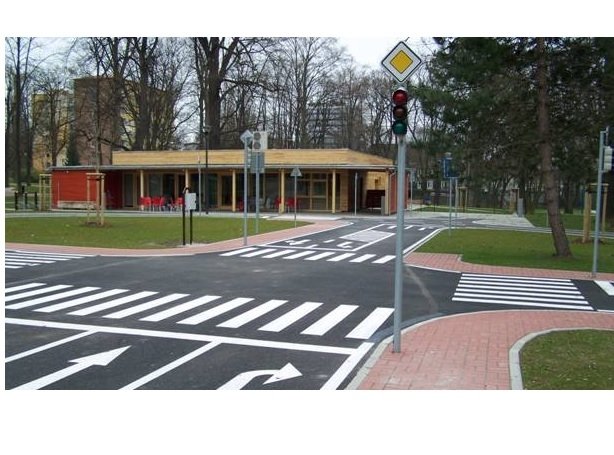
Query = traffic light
x=399 y=111
x=607 y=159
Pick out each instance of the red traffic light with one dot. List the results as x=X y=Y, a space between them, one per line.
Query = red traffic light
x=400 y=96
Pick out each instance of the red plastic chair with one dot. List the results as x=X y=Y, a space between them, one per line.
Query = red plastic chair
x=178 y=203
x=155 y=202
x=146 y=202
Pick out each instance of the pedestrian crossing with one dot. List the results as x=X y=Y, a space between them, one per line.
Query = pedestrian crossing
x=16 y=259
x=520 y=291
x=270 y=316
x=308 y=255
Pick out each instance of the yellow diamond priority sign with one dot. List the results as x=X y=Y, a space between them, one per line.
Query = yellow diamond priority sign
x=401 y=61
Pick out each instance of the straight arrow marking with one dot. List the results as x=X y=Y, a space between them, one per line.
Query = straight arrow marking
x=101 y=359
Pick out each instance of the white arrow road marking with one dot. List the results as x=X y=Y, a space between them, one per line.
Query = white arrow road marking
x=242 y=379
x=101 y=359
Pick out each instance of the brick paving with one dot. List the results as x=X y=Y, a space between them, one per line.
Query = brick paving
x=467 y=351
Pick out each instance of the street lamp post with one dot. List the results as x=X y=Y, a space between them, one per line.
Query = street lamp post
x=206 y=129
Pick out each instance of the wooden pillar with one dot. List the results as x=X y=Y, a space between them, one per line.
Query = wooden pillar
x=282 y=191
x=334 y=194
x=234 y=190
x=141 y=187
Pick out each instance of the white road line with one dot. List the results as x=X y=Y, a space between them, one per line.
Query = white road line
x=169 y=367
x=112 y=303
x=236 y=252
x=51 y=298
x=513 y=277
x=213 y=312
x=258 y=253
x=606 y=286
x=527 y=283
x=185 y=336
x=24 y=295
x=384 y=259
x=363 y=258
x=32 y=260
x=558 y=295
x=79 y=301
x=370 y=324
x=299 y=255
x=180 y=308
x=22 y=287
x=250 y=315
x=291 y=317
x=341 y=257
x=516 y=288
x=509 y=302
x=145 y=306
x=278 y=253
x=346 y=367
x=324 y=324
x=11 y=266
x=68 y=255
x=48 y=346
x=578 y=300
x=320 y=256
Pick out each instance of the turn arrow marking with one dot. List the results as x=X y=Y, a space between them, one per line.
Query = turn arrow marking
x=101 y=359
x=242 y=379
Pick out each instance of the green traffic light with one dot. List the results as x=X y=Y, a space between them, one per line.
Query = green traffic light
x=399 y=128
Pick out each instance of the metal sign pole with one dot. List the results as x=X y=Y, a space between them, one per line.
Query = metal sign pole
x=598 y=203
x=398 y=264
x=245 y=195
x=257 y=189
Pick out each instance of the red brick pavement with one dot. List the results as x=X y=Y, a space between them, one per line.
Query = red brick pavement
x=467 y=351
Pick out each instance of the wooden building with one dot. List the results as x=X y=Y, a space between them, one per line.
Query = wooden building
x=329 y=181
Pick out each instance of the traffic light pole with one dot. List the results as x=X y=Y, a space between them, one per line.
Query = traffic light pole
x=398 y=264
x=602 y=135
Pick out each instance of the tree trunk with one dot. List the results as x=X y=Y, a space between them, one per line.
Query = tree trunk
x=561 y=244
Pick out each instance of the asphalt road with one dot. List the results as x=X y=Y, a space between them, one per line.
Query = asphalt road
x=303 y=313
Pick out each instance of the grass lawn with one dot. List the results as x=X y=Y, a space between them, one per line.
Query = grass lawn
x=132 y=232
x=569 y=360
x=570 y=220
x=519 y=249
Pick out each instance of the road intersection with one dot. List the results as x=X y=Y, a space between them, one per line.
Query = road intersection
x=292 y=313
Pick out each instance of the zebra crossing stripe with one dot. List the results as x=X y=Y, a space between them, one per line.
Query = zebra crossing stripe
x=112 y=303
x=384 y=259
x=237 y=252
x=22 y=287
x=370 y=324
x=363 y=258
x=515 y=302
x=509 y=287
x=24 y=295
x=606 y=286
x=320 y=256
x=341 y=257
x=278 y=253
x=299 y=255
x=51 y=298
x=80 y=301
x=180 y=308
x=258 y=253
x=324 y=324
x=250 y=315
x=291 y=317
x=145 y=306
x=213 y=312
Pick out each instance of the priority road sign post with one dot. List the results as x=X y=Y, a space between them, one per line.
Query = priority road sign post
x=296 y=173
x=246 y=138
x=400 y=62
